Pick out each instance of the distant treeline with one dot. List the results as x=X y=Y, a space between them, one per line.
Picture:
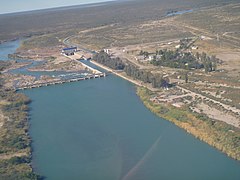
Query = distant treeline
x=132 y=70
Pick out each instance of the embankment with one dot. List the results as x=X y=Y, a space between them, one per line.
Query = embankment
x=118 y=74
x=218 y=134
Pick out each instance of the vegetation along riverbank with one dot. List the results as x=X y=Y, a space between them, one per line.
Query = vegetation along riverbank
x=15 y=142
x=185 y=65
x=218 y=134
x=151 y=88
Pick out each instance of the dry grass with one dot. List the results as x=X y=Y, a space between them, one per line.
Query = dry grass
x=133 y=34
x=218 y=134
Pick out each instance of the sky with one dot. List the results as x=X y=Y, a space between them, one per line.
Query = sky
x=10 y=6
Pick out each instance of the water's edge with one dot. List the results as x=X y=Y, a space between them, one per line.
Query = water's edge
x=100 y=129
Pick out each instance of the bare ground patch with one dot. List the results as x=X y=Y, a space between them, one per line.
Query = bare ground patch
x=216 y=114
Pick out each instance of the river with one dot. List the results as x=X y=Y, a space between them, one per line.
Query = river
x=99 y=130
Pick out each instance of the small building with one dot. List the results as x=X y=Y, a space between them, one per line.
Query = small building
x=106 y=51
x=194 y=47
x=150 y=58
x=69 y=51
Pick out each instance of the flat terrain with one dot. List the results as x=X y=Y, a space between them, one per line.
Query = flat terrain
x=67 y=21
x=126 y=28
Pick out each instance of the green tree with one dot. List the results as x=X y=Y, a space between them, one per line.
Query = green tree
x=186 y=77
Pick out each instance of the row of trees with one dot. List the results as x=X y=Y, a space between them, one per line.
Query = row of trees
x=105 y=59
x=135 y=72
x=157 y=80
x=132 y=70
x=209 y=62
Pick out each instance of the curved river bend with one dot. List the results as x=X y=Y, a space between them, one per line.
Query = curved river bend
x=99 y=130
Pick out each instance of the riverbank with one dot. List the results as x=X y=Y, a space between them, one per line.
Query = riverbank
x=111 y=135
x=117 y=73
x=15 y=142
x=218 y=134
x=51 y=152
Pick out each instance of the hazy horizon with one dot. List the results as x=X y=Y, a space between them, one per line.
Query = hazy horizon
x=15 y=6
